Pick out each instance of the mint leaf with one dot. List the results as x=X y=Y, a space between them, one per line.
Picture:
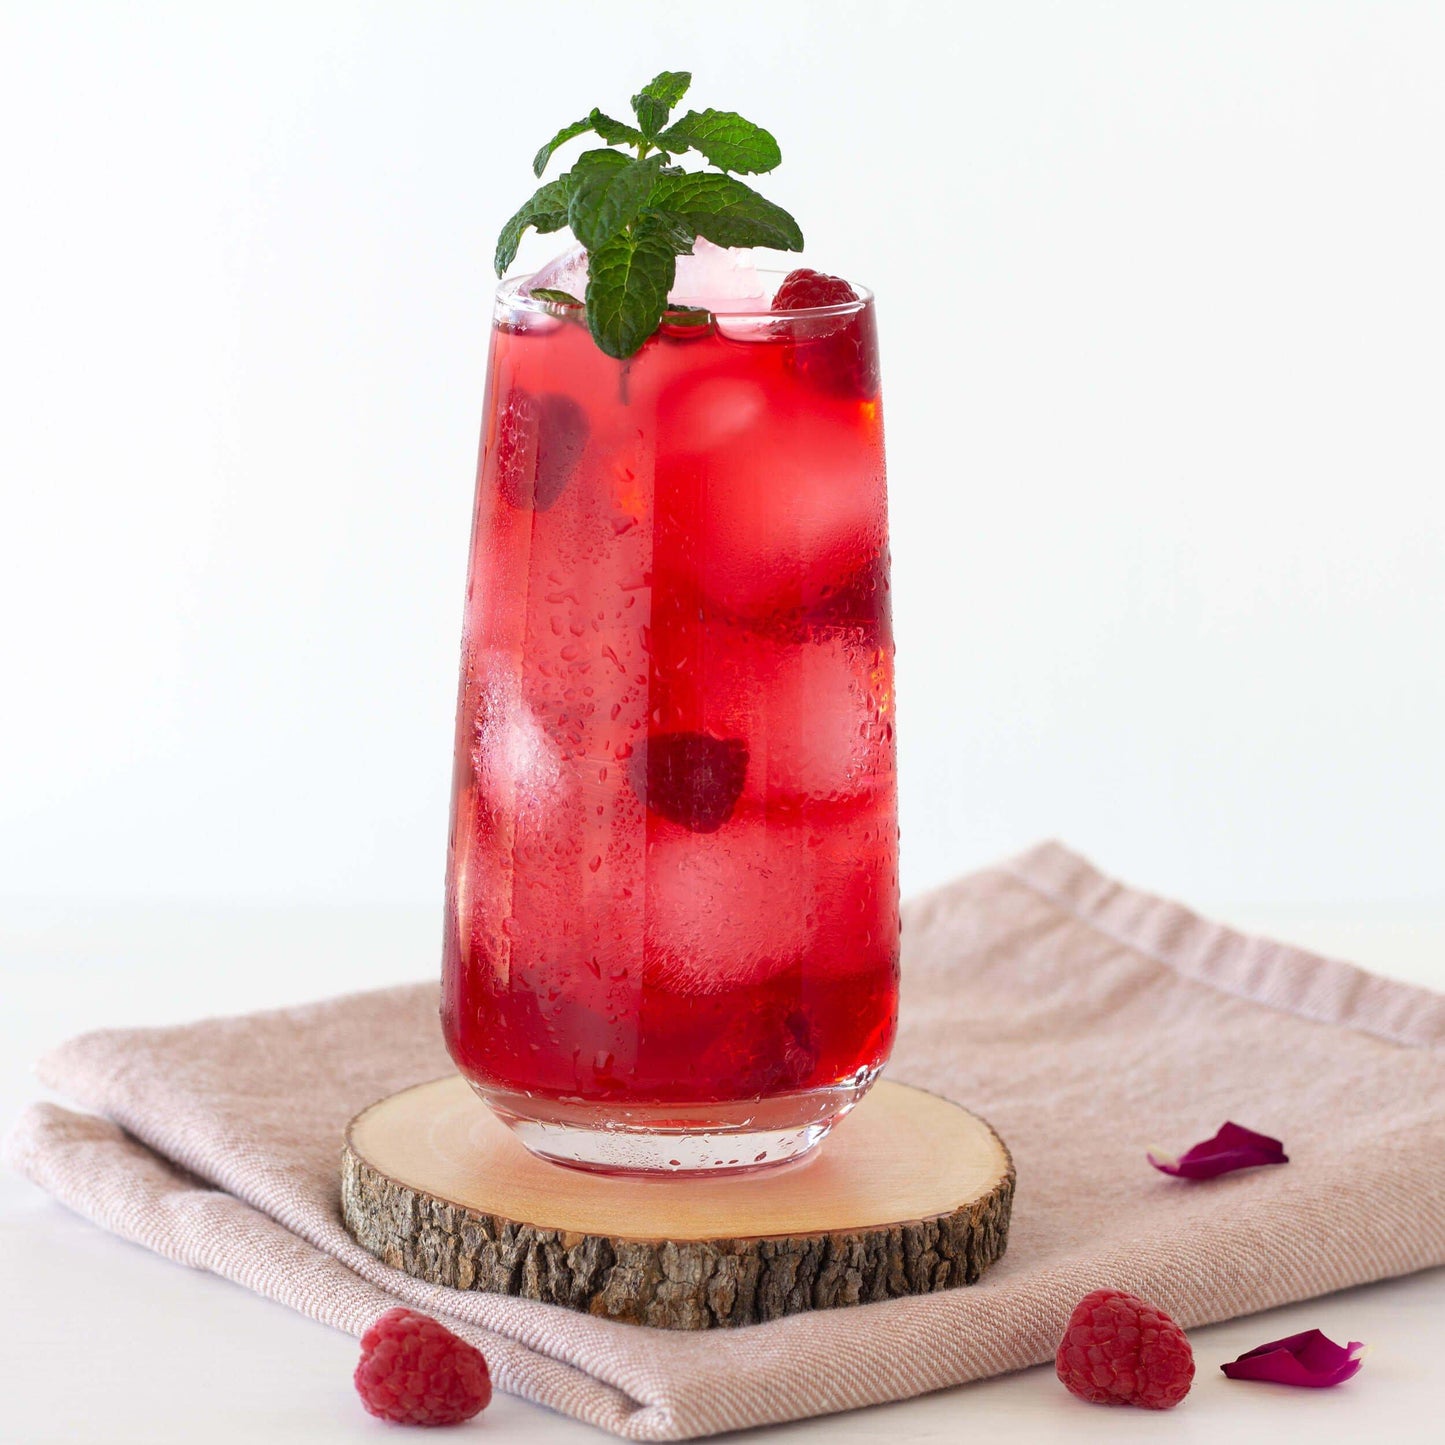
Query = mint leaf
x=725 y=138
x=546 y=210
x=627 y=284
x=654 y=103
x=600 y=159
x=685 y=320
x=669 y=87
x=675 y=228
x=725 y=211
x=554 y=297
x=607 y=197
x=614 y=132
x=578 y=127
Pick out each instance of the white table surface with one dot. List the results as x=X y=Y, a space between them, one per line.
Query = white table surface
x=120 y=1346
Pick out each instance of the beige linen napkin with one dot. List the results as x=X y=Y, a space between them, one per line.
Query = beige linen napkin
x=1087 y=1021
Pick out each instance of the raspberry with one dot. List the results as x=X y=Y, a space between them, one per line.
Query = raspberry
x=415 y=1371
x=788 y=1068
x=838 y=354
x=1117 y=1350
x=694 y=779
x=804 y=287
x=540 y=441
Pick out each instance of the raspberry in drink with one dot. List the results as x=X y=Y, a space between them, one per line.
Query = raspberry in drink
x=672 y=924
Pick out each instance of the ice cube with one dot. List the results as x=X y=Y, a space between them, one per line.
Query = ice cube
x=718 y=279
x=858 y=886
x=512 y=755
x=763 y=895
x=481 y=878
x=552 y=842
x=710 y=412
x=728 y=908
x=567 y=272
x=581 y=625
x=828 y=709
x=779 y=495
x=814 y=715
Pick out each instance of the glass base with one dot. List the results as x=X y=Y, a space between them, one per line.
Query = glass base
x=685 y=1140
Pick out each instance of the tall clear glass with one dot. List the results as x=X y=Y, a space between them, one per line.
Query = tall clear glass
x=672 y=882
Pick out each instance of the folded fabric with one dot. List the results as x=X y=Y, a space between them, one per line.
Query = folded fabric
x=1085 y=1020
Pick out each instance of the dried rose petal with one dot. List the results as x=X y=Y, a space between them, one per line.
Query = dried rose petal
x=1310 y=1359
x=1234 y=1147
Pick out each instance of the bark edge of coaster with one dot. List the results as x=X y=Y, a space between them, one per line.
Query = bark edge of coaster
x=910 y=1194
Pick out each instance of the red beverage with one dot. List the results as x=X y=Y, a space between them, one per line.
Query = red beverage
x=672 y=914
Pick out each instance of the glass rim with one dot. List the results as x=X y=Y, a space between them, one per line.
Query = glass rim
x=509 y=293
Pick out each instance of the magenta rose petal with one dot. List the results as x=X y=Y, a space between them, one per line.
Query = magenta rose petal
x=1310 y=1359
x=1234 y=1147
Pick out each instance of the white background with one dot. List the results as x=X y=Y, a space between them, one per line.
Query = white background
x=1163 y=306
x=1163 y=314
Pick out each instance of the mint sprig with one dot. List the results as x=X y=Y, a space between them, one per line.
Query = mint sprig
x=636 y=214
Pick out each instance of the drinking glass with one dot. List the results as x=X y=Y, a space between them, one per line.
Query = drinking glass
x=672 y=884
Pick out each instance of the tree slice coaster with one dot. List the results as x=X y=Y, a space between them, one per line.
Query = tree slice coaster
x=908 y=1195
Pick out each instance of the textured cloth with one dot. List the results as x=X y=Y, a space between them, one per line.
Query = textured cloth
x=1086 y=1021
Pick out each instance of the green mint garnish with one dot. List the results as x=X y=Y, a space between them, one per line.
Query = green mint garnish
x=607 y=193
x=612 y=131
x=654 y=102
x=726 y=139
x=725 y=211
x=547 y=211
x=636 y=214
x=628 y=279
x=553 y=297
x=685 y=317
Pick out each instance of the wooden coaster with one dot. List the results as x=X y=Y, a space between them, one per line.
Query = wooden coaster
x=909 y=1194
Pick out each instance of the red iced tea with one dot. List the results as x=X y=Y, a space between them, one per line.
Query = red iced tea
x=672 y=880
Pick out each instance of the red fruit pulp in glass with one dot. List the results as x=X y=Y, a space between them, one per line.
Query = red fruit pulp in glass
x=672 y=874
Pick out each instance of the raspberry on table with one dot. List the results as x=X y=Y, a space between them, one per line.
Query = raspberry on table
x=806 y=287
x=1118 y=1350
x=415 y=1371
